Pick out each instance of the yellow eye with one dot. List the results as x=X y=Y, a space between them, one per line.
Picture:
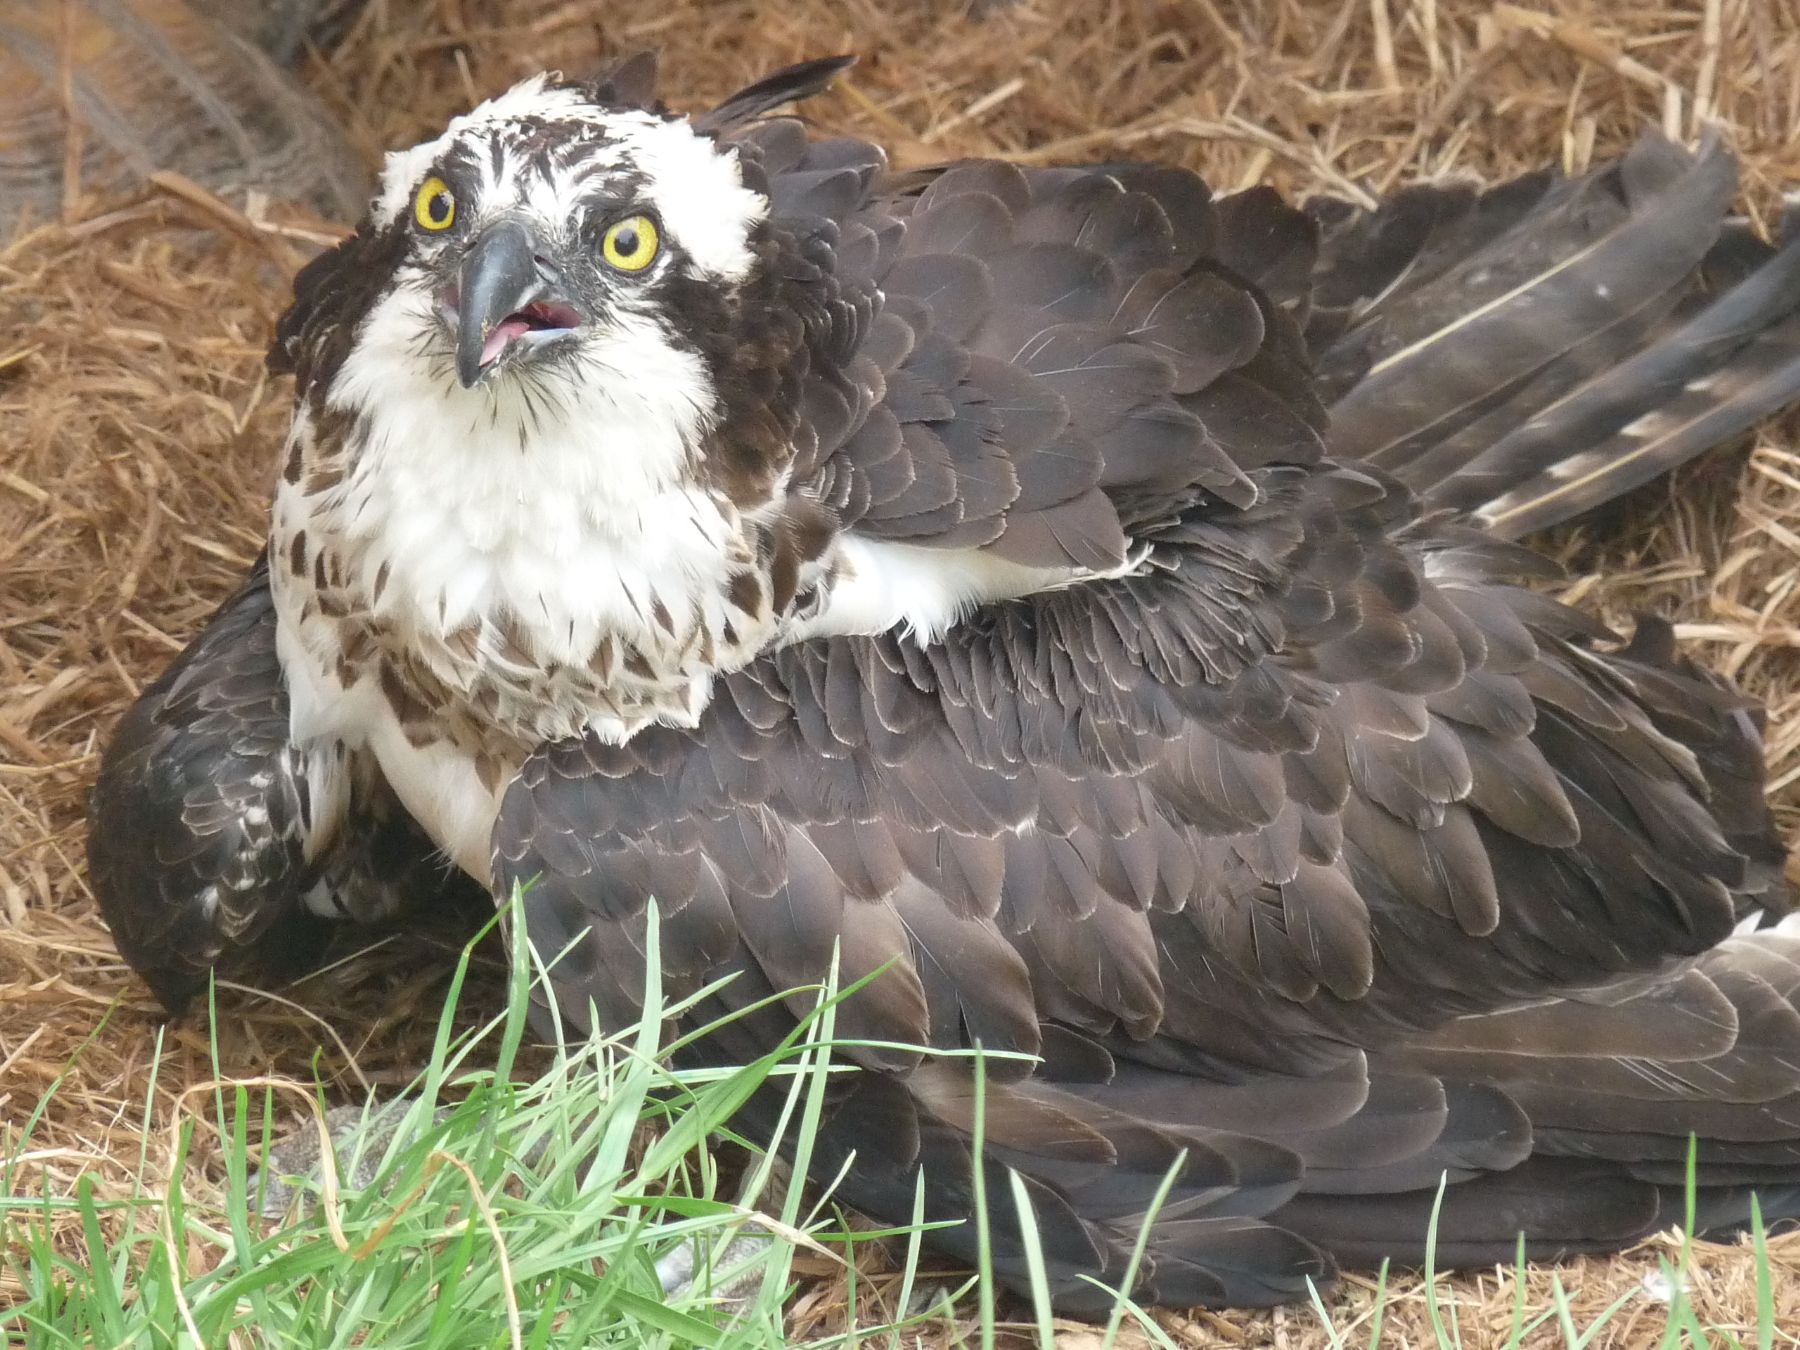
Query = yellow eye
x=630 y=244
x=435 y=206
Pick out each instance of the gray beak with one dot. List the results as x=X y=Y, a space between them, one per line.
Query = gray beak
x=504 y=286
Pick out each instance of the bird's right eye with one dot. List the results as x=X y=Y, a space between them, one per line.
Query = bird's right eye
x=435 y=206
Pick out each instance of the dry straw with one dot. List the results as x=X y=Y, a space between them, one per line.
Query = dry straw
x=138 y=431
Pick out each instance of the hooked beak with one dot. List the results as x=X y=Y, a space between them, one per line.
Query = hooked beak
x=507 y=294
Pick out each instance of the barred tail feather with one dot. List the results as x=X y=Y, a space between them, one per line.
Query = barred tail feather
x=1526 y=354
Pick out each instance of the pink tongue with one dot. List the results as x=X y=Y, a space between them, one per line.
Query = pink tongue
x=504 y=333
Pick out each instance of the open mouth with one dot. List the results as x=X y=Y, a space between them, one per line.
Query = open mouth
x=508 y=294
x=537 y=322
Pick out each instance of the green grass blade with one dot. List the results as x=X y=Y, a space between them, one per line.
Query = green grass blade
x=1765 y=1284
x=1433 y=1311
x=1034 y=1261
x=1332 y=1335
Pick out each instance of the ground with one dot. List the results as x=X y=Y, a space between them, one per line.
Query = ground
x=138 y=435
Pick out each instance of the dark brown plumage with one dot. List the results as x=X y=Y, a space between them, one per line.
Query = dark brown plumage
x=1609 y=329
x=1313 y=855
x=203 y=846
x=199 y=777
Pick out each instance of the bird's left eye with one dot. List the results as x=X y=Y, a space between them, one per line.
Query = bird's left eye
x=435 y=206
x=630 y=244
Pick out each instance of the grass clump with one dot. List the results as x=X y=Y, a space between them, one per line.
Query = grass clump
x=536 y=1213
x=527 y=1213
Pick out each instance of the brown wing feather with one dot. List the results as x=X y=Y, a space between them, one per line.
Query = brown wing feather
x=1117 y=812
x=198 y=780
x=1528 y=353
x=1040 y=363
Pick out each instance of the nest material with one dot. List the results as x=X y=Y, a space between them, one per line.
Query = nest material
x=139 y=434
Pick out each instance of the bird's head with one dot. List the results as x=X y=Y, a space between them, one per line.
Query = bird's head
x=551 y=227
x=562 y=240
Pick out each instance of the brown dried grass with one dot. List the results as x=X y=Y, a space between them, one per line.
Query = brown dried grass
x=138 y=432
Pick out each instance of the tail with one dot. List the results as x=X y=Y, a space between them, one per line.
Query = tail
x=1530 y=352
x=1568 y=1124
x=1615 y=1097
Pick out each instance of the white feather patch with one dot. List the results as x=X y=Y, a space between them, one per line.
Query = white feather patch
x=404 y=169
x=693 y=183
x=437 y=784
x=697 y=188
x=921 y=591
x=566 y=502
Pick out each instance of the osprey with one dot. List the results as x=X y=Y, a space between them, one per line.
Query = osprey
x=1088 y=599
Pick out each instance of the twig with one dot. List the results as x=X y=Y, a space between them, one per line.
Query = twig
x=1582 y=41
x=1712 y=32
x=986 y=103
x=1433 y=121
x=1384 y=46
x=183 y=188
x=1239 y=130
x=1428 y=22
x=71 y=197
